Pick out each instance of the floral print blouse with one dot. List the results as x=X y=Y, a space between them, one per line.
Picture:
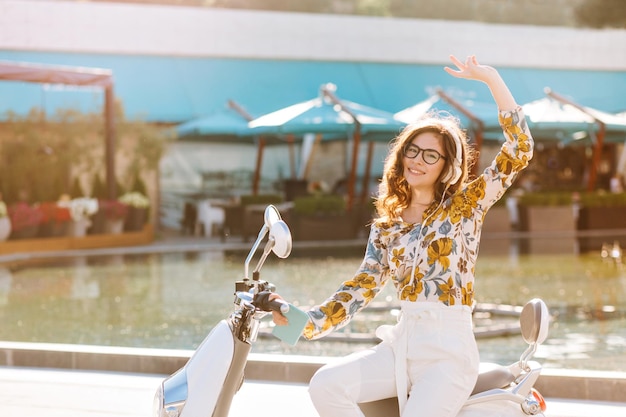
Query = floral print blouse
x=433 y=260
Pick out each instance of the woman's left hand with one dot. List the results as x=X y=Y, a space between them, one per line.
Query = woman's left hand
x=471 y=69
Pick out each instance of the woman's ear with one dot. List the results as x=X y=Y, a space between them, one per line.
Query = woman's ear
x=453 y=174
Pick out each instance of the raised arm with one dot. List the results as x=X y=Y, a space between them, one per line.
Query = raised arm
x=472 y=70
x=517 y=149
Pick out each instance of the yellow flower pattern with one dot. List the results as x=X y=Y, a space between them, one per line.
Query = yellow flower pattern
x=439 y=252
x=397 y=256
x=366 y=282
x=443 y=247
x=335 y=313
x=468 y=294
x=448 y=293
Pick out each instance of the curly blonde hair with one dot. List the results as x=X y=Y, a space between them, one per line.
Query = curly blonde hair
x=394 y=193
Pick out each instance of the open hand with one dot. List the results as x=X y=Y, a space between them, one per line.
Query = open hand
x=471 y=69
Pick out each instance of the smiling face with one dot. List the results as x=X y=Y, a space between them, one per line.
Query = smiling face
x=409 y=181
x=418 y=174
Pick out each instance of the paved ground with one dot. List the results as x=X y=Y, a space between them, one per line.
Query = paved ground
x=30 y=392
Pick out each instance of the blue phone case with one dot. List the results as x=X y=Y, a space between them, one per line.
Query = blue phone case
x=292 y=331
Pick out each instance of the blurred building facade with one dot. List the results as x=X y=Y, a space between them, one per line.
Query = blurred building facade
x=172 y=64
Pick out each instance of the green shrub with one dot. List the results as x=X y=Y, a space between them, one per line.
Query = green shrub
x=602 y=199
x=41 y=155
x=319 y=205
x=555 y=198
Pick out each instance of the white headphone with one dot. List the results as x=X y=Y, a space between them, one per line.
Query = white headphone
x=454 y=172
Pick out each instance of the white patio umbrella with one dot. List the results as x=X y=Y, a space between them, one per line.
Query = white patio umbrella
x=330 y=118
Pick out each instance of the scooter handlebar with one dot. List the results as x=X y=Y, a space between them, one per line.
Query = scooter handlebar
x=262 y=301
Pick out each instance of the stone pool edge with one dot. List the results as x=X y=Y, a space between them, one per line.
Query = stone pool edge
x=553 y=383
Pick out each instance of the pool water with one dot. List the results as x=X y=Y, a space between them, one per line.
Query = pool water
x=173 y=300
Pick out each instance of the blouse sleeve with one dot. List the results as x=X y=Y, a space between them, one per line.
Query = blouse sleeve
x=514 y=156
x=353 y=295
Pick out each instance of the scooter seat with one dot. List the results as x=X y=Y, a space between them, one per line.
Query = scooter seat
x=492 y=375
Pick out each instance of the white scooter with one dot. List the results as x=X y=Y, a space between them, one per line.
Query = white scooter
x=206 y=385
x=500 y=391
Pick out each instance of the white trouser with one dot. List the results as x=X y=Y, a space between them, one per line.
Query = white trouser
x=430 y=355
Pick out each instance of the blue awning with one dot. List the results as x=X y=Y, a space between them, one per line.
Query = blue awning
x=222 y=123
x=324 y=116
x=179 y=89
x=552 y=119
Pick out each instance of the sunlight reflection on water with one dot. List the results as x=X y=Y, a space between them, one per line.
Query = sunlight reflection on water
x=173 y=300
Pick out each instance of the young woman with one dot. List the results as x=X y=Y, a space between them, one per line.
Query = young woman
x=425 y=242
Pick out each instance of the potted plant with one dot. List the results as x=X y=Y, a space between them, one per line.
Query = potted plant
x=115 y=213
x=546 y=211
x=5 y=222
x=55 y=219
x=498 y=218
x=81 y=209
x=322 y=217
x=100 y=221
x=497 y=225
x=600 y=210
x=551 y=214
x=138 y=205
x=25 y=220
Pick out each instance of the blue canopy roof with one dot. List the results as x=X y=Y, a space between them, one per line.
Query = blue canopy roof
x=230 y=123
x=222 y=123
x=552 y=119
x=486 y=112
x=323 y=115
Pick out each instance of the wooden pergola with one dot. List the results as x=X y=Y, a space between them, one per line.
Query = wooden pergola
x=79 y=76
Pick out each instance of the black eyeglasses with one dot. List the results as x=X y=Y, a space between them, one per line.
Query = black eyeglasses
x=430 y=156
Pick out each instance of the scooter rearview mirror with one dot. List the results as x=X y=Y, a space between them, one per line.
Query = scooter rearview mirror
x=280 y=234
x=271 y=216
x=534 y=322
x=279 y=240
